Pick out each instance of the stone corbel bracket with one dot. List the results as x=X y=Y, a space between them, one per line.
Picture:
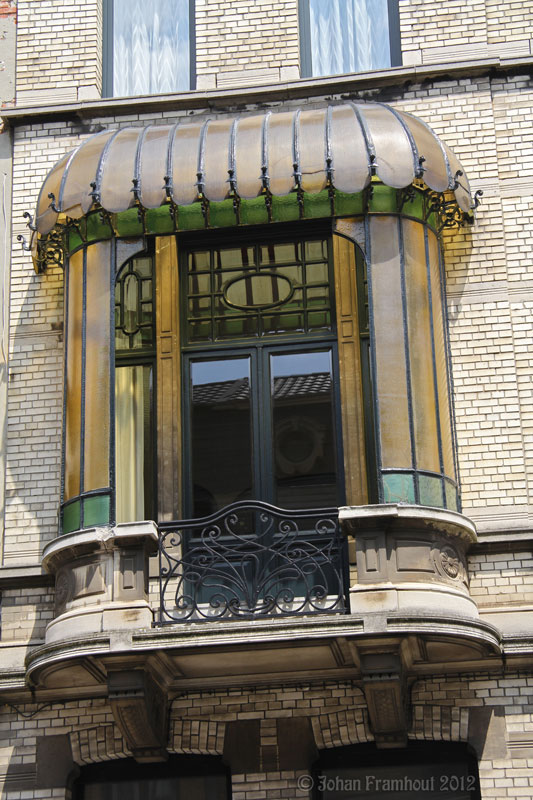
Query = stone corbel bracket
x=140 y=708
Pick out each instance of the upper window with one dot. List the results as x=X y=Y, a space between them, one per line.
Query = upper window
x=148 y=47
x=342 y=36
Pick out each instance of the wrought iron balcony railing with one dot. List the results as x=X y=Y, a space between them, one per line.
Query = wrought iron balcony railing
x=252 y=560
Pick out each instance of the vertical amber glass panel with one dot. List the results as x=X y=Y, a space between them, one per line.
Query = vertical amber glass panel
x=74 y=372
x=389 y=343
x=420 y=350
x=351 y=389
x=441 y=357
x=97 y=400
x=168 y=378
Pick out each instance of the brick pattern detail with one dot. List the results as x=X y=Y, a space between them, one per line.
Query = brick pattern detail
x=246 y=43
x=59 y=50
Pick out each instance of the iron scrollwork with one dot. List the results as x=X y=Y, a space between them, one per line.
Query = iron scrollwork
x=252 y=560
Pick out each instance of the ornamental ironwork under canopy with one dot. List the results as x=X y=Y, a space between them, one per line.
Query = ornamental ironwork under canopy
x=338 y=147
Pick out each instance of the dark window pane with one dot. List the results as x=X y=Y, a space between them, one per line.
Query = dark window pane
x=303 y=430
x=220 y=433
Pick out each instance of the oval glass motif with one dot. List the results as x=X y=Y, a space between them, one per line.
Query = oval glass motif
x=258 y=290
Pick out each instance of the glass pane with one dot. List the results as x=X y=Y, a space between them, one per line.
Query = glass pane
x=220 y=433
x=74 y=376
x=280 y=253
x=134 y=319
x=349 y=36
x=390 y=347
x=420 y=355
x=133 y=446
x=304 y=447
x=97 y=383
x=441 y=357
x=234 y=257
x=150 y=47
x=316 y=251
x=264 y=284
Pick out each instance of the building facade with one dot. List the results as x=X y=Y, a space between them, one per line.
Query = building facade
x=265 y=399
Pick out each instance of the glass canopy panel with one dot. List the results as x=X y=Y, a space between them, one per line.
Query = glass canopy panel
x=350 y=161
x=462 y=191
x=420 y=350
x=312 y=158
x=441 y=356
x=74 y=373
x=435 y=168
x=75 y=197
x=185 y=163
x=118 y=169
x=248 y=156
x=97 y=377
x=280 y=153
x=153 y=166
x=395 y=161
x=217 y=148
x=389 y=336
x=304 y=444
x=46 y=218
x=221 y=433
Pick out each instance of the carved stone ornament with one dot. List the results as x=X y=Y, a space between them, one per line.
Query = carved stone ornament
x=449 y=562
x=64 y=589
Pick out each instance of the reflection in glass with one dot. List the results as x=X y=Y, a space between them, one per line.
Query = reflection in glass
x=303 y=430
x=221 y=444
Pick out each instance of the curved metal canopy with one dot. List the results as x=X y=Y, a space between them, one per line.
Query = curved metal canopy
x=245 y=156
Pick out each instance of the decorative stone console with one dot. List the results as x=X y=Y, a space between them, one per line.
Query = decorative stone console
x=101 y=577
x=410 y=558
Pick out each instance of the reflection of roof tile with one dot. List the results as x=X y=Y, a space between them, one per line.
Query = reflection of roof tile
x=286 y=387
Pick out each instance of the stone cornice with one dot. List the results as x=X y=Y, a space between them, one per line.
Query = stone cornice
x=389 y=82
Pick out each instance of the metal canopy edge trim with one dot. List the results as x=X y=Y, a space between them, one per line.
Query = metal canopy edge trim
x=358 y=141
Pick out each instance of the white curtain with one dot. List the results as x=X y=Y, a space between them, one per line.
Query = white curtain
x=129 y=450
x=349 y=36
x=150 y=46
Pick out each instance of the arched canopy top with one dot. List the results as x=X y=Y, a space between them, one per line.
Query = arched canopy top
x=276 y=153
